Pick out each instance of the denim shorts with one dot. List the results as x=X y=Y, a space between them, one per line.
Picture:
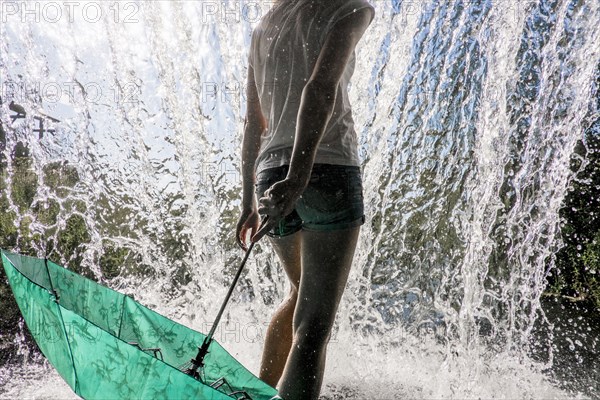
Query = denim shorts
x=332 y=200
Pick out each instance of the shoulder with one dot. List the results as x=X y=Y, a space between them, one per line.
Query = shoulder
x=357 y=15
x=341 y=8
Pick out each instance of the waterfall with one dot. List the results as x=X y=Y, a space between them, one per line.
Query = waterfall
x=125 y=166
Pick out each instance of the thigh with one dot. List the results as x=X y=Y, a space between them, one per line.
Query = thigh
x=326 y=261
x=288 y=250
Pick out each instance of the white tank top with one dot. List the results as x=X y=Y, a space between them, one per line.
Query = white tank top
x=284 y=49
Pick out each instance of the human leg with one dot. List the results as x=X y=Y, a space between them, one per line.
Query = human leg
x=329 y=213
x=326 y=261
x=278 y=338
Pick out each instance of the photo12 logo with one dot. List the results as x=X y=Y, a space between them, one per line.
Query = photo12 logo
x=128 y=12
x=71 y=92
x=60 y=11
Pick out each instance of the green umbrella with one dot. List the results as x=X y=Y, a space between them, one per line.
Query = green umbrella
x=107 y=346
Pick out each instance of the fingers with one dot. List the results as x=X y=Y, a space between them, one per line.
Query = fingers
x=268 y=210
x=238 y=229
x=266 y=207
x=266 y=225
x=279 y=200
x=239 y=235
x=271 y=205
x=247 y=222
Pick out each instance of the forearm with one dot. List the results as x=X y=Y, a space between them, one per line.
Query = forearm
x=316 y=108
x=250 y=149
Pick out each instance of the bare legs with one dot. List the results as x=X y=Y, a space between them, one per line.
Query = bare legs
x=278 y=339
x=325 y=259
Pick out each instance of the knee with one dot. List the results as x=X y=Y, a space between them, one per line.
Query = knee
x=288 y=305
x=313 y=332
x=294 y=287
x=292 y=295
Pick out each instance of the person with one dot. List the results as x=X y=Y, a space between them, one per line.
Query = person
x=301 y=171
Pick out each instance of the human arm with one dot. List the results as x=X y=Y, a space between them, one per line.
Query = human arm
x=254 y=125
x=316 y=108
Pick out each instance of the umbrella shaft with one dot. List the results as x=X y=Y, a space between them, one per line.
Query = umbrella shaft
x=235 y=279
x=203 y=350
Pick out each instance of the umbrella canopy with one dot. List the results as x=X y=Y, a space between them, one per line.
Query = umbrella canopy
x=106 y=345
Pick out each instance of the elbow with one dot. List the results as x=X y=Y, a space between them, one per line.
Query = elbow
x=255 y=124
x=326 y=89
x=321 y=92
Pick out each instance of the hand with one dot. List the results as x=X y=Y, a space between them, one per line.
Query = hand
x=249 y=221
x=277 y=202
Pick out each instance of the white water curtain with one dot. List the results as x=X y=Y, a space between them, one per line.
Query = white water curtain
x=467 y=114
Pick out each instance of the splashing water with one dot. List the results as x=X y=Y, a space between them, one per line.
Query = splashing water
x=468 y=114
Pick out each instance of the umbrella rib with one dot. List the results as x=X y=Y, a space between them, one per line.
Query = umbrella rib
x=56 y=295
